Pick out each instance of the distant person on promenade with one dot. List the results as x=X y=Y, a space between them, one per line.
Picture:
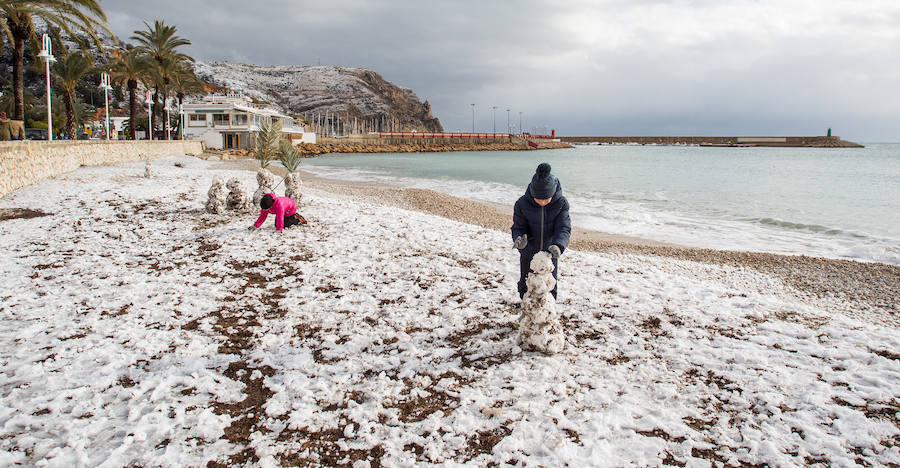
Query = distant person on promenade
x=541 y=223
x=284 y=209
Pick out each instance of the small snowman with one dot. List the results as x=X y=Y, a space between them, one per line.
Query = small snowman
x=292 y=185
x=217 y=197
x=266 y=181
x=539 y=328
x=238 y=195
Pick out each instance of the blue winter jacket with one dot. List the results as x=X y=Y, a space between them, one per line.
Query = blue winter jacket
x=545 y=225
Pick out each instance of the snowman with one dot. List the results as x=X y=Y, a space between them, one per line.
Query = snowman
x=238 y=195
x=539 y=327
x=217 y=197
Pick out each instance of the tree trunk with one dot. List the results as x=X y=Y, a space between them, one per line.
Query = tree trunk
x=70 y=114
x=178 y=135
x=132 y=100
x=155 y=107
x=18 y=85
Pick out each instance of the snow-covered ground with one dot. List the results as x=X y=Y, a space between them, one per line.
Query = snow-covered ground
x=138 y=330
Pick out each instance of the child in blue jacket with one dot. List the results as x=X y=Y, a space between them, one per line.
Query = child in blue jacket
x=541 y=223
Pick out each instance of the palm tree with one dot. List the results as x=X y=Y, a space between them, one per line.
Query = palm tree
x=67 y=72
x=160 y=42
x=70 y=16
x=184 y=82
x=129 y=70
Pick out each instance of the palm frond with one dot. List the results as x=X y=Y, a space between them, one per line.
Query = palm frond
x=289 y=156
x=267 y=142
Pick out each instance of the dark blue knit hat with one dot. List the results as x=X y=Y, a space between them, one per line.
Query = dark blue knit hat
x=543 y=184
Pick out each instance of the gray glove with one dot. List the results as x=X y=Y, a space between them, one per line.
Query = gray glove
x=521 y=241
x=554 y=251
x=252 y=228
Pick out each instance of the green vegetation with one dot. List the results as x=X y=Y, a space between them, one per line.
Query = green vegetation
x=267 y=138
x=289 y=156
x=128 y=70
x=67 y=72
x=71 y=16
x=160 y=43
x=156 y=63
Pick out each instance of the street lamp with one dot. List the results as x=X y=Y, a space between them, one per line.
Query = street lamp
x=507 y=122
x=149 y=102
x=168 y=109
x=47 y=56
x=473 y=117
x=520 y=123
x=494 y=111
x=104 y=85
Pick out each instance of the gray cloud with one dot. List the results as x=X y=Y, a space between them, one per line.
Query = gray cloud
x=583 y=67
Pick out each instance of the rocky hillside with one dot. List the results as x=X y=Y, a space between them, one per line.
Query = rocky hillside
x=351 y=93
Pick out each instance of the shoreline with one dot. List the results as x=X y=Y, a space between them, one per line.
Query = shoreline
x=856 y=288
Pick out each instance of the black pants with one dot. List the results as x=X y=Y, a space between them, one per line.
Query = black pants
x=291 y=220
x=525 y=268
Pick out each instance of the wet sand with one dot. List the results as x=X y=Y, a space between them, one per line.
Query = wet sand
x=869 y=291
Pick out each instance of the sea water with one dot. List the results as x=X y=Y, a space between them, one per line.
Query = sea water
x=831 y=202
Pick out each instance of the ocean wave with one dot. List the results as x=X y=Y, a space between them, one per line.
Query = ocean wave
x=814 y=228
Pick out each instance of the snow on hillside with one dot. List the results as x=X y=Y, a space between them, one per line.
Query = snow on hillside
x=300 y=88
x=139 y=331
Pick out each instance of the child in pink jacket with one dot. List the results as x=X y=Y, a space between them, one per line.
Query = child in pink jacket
x=284 y=209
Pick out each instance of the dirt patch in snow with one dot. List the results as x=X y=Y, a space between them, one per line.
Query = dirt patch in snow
x=20 y=213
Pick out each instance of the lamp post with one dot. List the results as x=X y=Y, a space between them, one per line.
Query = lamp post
x=494 y=111
x=168 y=109
x=47 y=56
x=180 y=121
x=507 y=122
x=520 y=123
x=104 y=85
x=473 y=117
x=149 y=102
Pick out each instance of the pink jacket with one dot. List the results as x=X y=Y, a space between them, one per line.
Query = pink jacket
x=282 y=207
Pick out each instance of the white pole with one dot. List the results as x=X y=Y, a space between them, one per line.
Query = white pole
x=104 y=83
x=49 y=111
x=168 y=130
x=47 y=55
x=494 y=110
x=149 y=115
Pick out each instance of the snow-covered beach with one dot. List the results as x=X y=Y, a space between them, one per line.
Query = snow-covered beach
x=138 y=330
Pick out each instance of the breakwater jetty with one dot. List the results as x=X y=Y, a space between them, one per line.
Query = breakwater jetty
x=789 y=141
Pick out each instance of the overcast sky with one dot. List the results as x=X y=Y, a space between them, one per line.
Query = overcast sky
x=601 y=67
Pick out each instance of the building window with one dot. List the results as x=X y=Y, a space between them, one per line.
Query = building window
x=239 y=120
x=220 y=120
x=197 y=120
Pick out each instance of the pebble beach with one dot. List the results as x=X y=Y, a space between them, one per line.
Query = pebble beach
x=139 y=330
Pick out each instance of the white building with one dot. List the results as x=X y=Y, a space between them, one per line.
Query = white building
x=231 y=122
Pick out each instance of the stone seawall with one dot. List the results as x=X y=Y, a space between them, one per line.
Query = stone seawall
x=23 y=163
x=795 y=141
x=333 y=145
